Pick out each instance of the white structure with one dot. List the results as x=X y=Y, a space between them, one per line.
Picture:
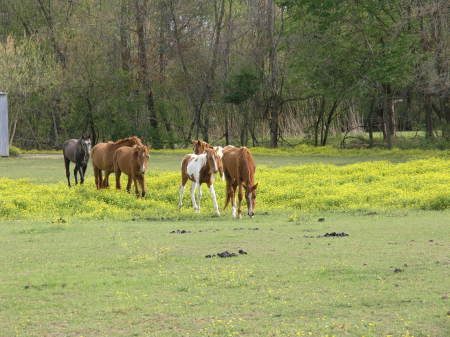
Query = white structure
x=4 y=135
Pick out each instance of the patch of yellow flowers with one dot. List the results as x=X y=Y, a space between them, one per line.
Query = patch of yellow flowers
x=419 y=184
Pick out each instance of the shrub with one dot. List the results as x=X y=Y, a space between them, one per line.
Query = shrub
x=14 y=151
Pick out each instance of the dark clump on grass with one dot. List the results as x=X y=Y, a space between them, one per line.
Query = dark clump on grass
x=371 y=213
x=335 y=234
x=180 y=231
x=398 y=270
x=328 y=235
x=250 y=229
x=321 y=219
x=227 y=254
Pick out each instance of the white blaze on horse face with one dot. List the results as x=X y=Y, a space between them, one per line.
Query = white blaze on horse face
x=89 y=146
x=219 y=150
x=215 y=165
x=143 y=162
x=250 y=204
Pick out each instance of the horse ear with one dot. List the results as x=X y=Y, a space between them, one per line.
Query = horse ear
x=254 y=187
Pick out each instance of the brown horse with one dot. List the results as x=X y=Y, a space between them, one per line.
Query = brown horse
x=239 y=168
x=199 y=147
x=132 y=161
x=200 y=169
x=102 y=158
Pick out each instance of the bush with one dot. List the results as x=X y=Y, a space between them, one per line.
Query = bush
x=14 y=151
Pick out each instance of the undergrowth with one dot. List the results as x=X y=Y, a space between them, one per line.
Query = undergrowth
x=419 y=184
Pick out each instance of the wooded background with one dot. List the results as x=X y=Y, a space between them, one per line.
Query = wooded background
x=244 y=72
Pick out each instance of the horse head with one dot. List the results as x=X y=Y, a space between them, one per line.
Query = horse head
x=86 y=144
x=199 y=146
x=142 y=155
x=214 y=161
x=250 y=196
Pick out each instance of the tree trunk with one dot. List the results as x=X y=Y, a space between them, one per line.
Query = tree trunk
x=125 y=52
x=370 y=120
x=13 y=132
x=428 y=116
x=144 y=73
x=55 y=129
x=321 y=113
x=328 y=122
x=274 y=122
x=388 y=114
x=445 y=108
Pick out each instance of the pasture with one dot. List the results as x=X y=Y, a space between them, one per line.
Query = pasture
x=81 y=262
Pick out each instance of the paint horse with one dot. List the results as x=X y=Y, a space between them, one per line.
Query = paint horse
x=200 y=169
x=133 y=161
x=239 y=168
x=102 y=158
x=77 y=151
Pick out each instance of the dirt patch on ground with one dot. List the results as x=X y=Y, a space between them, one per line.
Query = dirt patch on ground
x=328 y=235
x=42 y=155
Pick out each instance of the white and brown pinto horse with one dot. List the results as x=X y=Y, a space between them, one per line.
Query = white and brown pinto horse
x=239 y=168
x=200 y=169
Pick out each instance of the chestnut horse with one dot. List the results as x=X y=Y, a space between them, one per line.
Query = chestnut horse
x=102 y=158
x=199 y=147
x=200 y=169
x=239 y=168
x=132 y=161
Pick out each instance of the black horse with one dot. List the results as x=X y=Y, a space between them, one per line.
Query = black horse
x=78 y=152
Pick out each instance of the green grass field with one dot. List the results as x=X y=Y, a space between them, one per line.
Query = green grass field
x=80 y=276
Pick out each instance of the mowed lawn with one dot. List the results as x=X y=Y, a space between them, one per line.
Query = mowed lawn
x=389 y=277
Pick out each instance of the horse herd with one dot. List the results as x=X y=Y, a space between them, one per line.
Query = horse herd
x=130 y=156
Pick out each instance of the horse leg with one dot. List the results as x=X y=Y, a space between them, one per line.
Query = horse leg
x=200 y=195
x=106 y=180
x=129 y=184
x=240 y=201
x=100 y=178
x=143 y=186
x=136 y=189
x=96 y=176
x=75 y=170
x=184 y=180
x=233 y=200
x=82 y=172
x=194 y=203
x=67 y=164
x=214 y=198
x=118 y=173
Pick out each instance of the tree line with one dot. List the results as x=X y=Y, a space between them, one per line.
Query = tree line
x=248 y=72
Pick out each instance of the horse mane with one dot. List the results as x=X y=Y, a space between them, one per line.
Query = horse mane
x=248 y=164
x=134 y=139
